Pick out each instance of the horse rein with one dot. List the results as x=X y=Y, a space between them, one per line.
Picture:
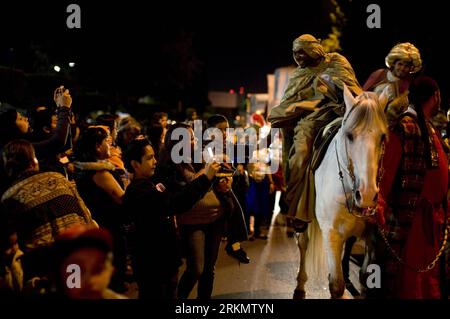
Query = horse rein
x=350 y=208
x=350 y=170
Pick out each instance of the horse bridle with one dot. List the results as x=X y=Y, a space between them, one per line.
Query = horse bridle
x=351 y=208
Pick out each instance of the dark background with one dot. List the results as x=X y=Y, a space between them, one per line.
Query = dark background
x=174 y=52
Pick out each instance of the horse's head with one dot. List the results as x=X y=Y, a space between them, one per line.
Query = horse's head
x=363 y=132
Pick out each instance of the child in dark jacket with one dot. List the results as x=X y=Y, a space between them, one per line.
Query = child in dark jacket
x=157 y=258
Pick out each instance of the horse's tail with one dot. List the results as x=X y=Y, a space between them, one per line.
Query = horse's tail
x=315 y=260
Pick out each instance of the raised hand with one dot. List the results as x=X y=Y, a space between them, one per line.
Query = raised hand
x=62 y=97
x=211 y=169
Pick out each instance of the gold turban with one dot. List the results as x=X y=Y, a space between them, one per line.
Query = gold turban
x=310 y=45
x=407 y=52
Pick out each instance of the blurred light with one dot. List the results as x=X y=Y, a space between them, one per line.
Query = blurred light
x=258 y=112
x=238 y=117
x=264 y=131
x=232 y=91
x=122 y=114
x=241 y=90
x=56 y=68
x=71 y=64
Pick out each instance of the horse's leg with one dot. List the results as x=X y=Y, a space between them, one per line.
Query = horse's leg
x=333 y=243
x=369 y=258
x=302 y=241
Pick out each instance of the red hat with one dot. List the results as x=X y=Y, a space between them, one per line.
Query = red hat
x=257 y=119
x=82 y=236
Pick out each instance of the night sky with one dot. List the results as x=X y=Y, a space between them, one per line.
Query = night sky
x=137 y=48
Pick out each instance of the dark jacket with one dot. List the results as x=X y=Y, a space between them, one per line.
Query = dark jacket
x=157 y=256
x=59 y=141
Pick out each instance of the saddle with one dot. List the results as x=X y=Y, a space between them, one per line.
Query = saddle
x=322 y=141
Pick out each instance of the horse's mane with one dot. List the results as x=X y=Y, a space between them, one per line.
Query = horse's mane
x=367 y=114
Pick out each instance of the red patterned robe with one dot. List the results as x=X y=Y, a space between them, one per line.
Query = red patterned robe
x=412 y=201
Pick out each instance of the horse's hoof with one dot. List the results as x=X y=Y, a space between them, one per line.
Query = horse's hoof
x=298 y=294
x=351 y=289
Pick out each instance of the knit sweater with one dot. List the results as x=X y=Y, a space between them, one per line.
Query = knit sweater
x=42 y=205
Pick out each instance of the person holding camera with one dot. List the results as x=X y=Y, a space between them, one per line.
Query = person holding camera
x=202 y=227
x=153 y=206
x=14 y=126
x=233 y=180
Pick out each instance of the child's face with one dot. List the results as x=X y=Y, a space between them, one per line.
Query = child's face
x=22 y=123
x=147 y=166
x=224 y=184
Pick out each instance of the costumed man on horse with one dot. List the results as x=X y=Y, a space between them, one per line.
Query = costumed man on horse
x=312 y=99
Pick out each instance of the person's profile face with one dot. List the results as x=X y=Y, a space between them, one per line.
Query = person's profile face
x=53 y=123
x=163 y=122
x=222 y=126
x=437 y=104
x=104 y=148
x=148 y=162
x=193 y=140
x=302 y=58
x=402 y=68
x=22 y=123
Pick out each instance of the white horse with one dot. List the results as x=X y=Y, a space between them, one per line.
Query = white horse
x=346 y=182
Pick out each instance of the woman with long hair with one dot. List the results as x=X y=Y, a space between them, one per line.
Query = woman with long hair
x=202 y=226
x=102 y=189
x=14 y=125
